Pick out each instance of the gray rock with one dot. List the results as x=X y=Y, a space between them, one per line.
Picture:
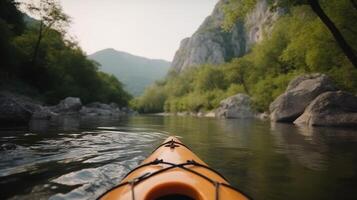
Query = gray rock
x=114 y=105
x=16 y=108
x=237 y=106
x=331 y=109
x=299 y=93
x=126 y=110
x=99 y=105
x=101 y=109
x=68 y=105
x=44 y=113
x=262 y=116
x=129 y=111
x=210 y=114
x=210 y=44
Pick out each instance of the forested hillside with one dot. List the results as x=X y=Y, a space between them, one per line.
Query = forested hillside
x=298 y=42
x=38 y=60
x=135 y=72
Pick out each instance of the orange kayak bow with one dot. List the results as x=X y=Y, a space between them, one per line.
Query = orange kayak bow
x=172 y=172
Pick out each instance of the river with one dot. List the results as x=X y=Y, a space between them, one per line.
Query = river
x=80 y=159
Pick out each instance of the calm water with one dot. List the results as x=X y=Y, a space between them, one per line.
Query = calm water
x=81 y=159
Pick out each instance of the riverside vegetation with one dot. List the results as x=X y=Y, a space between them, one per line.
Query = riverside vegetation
x=38 y=59
x=298 y=43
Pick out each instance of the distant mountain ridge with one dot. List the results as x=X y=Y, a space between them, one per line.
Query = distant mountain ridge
x=135 y=72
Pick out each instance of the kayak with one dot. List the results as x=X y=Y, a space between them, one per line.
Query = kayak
x=172 y=172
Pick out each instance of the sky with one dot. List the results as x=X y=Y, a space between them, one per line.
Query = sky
x=149 y=28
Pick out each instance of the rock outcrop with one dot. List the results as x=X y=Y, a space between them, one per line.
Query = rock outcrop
x=16 y=108
x=100 y=109
x=237 y=106
x=68 y=105
x=331 y=109
x=210 y=44
x=44 y=113
x=298 y=95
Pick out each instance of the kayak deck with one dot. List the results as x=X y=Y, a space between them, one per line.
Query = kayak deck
x=172 y=171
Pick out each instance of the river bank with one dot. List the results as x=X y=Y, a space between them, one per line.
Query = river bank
x=309 y=100
x=18 y=109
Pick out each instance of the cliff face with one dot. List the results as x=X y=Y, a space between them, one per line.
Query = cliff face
x=212 y=45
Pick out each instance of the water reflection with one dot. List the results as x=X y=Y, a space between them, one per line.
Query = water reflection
x=308 y=150
x=72 y=123
x=81 y=158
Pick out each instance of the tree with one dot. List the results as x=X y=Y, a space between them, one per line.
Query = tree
x=236 y=9
x=12 y=16
x=51 y=17
x=237 y=72
x=341 y=41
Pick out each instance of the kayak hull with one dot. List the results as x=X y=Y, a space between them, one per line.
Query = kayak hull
x=172 y=170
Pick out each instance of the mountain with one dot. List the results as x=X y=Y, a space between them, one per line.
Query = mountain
x=210 y=44
x=135 y=72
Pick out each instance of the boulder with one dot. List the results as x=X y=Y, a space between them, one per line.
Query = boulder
x=101 y=109
x=68 y=105
x=200 y=114
x=99 y=105
x=299 y=93
x=114 y=105
x=210 y=114
x=331 y=109
x=237 y=106
x=262 y=116
x=127 y=110
x=44 y=113
x=16 y=108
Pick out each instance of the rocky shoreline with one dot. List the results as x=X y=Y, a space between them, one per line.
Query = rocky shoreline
x=19 y=109
x=309 y=100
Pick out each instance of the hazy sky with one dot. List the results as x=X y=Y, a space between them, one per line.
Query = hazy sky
x=149 y=28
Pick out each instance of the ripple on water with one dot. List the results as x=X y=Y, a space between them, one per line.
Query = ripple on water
x=114 y=150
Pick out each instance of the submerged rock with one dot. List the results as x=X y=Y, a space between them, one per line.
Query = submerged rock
x=331 y=109
x=237 y=106
x=299 y=93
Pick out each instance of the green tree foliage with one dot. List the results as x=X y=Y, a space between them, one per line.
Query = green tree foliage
x=235 y=10
x=12 y=16
x=299 y=43
x=11 y=25
x=51 y=17
x=152 y=100
x=62 y=68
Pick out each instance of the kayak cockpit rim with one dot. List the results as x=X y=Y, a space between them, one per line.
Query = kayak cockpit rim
x=172 y=145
